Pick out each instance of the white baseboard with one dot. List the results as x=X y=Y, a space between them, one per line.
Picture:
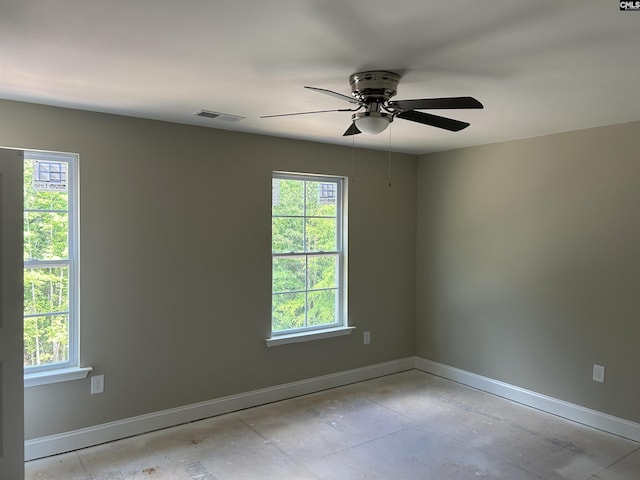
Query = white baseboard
x=107 y=432
x=602 y=421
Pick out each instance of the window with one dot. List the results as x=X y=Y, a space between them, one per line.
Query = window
x=50 y=262
x=308 y=253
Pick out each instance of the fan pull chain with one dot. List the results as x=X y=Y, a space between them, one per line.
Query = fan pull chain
x=353 y=156
x=389 y=173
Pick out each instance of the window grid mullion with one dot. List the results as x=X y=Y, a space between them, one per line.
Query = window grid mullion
x=304 y=216
x=319 y=253
x=46 y=314
x=47 y=263
x=286 y=292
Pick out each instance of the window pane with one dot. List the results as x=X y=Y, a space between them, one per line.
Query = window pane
x=288 y=311
x=322 y=199
x=322 y=307
x=49 y=235
x=46 y=236
x=287 y=197
x=321 y=235
x=305 y=215
x=287 y=235
x=41 y=200
x=289 y=274
x=322 y=272
x=46 y=340
x=46 y=290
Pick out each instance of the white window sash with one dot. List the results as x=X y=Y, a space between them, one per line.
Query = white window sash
x=339 y=252
x=72 y=262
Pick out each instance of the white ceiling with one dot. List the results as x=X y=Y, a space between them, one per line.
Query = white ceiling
x=538 y=66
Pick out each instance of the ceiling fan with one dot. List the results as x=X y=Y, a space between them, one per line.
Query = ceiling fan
x=372 y=91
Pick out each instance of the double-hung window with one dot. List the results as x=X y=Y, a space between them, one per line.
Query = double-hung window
x=50 y=263
x=308 y=240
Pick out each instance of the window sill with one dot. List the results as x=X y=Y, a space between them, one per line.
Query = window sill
x=55 y=376
x=308 y=336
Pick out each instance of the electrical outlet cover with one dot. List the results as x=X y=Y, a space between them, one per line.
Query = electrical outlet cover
x=97 y=384
x=598 y=373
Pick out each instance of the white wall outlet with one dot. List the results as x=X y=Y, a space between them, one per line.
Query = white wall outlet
x=97 y=384
x=598 y=373
x=367 y=338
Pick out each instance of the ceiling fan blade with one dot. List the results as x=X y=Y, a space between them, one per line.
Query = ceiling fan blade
x=352 y=130
x=434 y=120
x=307 y=113
x=335 y=94
x=434 y=103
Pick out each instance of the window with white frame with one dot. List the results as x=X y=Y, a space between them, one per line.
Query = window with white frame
x=308 y=243
x=50 y=261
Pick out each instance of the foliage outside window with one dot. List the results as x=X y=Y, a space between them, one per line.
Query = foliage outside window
x=50 y=261
x=307 y=236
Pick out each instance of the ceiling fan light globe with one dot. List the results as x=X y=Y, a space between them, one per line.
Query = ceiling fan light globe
x=372 y=122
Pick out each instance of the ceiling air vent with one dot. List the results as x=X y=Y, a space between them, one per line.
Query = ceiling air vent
x=225 y=117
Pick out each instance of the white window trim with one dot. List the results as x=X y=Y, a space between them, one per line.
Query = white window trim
x=307 y=336
x=33 y=379
x=70 y=370
x=342 y=327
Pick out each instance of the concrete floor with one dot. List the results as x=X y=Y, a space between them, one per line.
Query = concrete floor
x=410 y=425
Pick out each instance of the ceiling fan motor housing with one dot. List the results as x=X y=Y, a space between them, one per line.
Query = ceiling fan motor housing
x=374 y=89
x=374 y=86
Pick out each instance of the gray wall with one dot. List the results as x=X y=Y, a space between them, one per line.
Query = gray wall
x=528 y=264
x=175 y=262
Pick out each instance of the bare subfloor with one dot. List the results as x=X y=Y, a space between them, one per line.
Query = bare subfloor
x=410 y=425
